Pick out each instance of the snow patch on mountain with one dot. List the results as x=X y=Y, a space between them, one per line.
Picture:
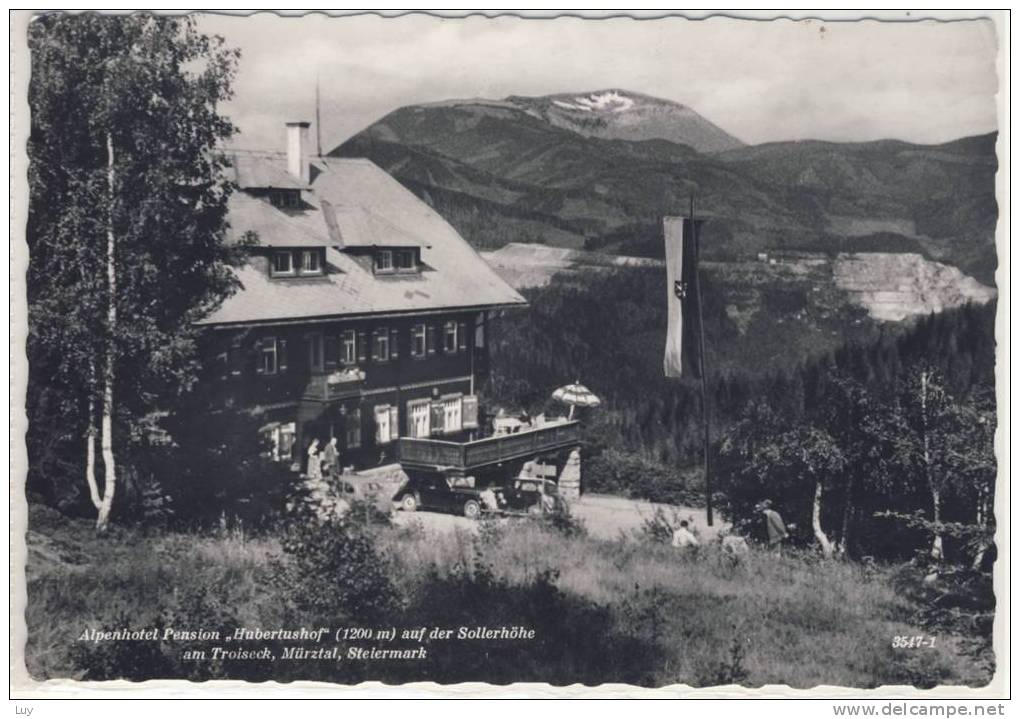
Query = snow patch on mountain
x=610 y=101
x=571 y=106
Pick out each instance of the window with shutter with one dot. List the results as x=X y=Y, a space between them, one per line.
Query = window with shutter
x=259 y=367
x=438 y=415
x=382 y=424
x=431 y=339
x=362 y=346
x=266 y=350
x=280 y=440
x=480 y=330
x=394 y=335
x=222 y=362
x=394 y=422
x=313 y=345
x=352 y=429
x=450 y=337
x=419 y=417
x=462 y=336
x=269 y=356
x=332 y=351
x=282 y=355
x=452 y=416
x=381 y=344
x=235 y=356
x=469 y=411
x=348 y=347
x=418 y=342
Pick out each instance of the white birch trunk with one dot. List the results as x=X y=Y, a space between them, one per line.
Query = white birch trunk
x=848 y=511
x=983 y=510
x=936 y=545
x=109 y=462
x=816 y=523
x=90 y=452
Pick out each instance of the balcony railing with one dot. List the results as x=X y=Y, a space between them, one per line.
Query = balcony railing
x=441 y=454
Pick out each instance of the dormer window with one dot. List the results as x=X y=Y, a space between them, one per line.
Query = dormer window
x=396 y=260
x=310 y=264
x=285 y=198
x=406 y=261
x=283 y=263
x=384 y=261
x=297 y=263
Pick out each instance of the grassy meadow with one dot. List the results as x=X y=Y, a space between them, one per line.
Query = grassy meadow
x=631 y=611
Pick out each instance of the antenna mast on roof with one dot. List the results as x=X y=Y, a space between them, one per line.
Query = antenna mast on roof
x=318 y=119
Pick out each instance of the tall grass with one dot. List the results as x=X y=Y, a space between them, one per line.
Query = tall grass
x=702 y=618
x=799 y=620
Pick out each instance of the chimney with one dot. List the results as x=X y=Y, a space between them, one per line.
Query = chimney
x=297 y=150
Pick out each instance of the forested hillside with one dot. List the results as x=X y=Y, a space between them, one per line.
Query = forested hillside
x=609 y=332
x=501 y=171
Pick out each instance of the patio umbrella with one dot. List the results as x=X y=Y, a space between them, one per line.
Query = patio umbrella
x=576 y=395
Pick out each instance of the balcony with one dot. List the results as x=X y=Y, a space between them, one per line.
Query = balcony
x=435 y=454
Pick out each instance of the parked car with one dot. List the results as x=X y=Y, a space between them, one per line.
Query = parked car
x=527 y=495
x=439 y=493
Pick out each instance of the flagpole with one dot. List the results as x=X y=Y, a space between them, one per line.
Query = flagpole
x=704 y=364
x=318 y=119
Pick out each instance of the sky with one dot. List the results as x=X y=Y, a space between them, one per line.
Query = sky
x=925 y=82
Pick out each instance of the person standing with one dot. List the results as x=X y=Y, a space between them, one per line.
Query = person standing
x=331 y=461
x=774 y=526
x=314 y=461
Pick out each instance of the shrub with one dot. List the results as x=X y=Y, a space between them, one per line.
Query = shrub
x=631 y=475
x=730 y=669
x=659 y=527
x=216 y=466
x=333 y=571
x=562 y=522
x=367 y=513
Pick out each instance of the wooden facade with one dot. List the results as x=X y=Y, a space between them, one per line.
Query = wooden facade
x=333 y=378
x=361 y=314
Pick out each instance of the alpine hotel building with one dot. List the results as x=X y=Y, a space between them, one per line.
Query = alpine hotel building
x=362 y=313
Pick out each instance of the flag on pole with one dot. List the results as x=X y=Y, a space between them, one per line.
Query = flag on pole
x=682 y=357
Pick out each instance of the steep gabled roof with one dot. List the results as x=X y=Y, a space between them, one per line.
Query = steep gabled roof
x=263 y=170
x=352 y=203
x=276 y=226
x=359 y=227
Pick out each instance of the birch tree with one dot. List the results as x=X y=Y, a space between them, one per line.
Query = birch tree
x=797 y=467
x=127 y=210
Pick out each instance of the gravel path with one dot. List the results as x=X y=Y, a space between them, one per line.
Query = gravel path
x=604 y=517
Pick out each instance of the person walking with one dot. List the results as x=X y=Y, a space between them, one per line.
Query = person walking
x=774 y=526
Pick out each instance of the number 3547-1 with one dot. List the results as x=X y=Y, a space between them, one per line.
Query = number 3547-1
x=913 y=642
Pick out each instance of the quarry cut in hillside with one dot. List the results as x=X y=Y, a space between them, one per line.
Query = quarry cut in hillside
x=893 y=287
x=889 y=286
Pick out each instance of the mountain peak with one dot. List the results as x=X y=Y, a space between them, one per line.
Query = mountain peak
x=618 y=114
x=601 y=100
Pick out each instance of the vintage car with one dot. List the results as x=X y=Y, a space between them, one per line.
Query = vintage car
x=529 y=495
x=440 y=493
